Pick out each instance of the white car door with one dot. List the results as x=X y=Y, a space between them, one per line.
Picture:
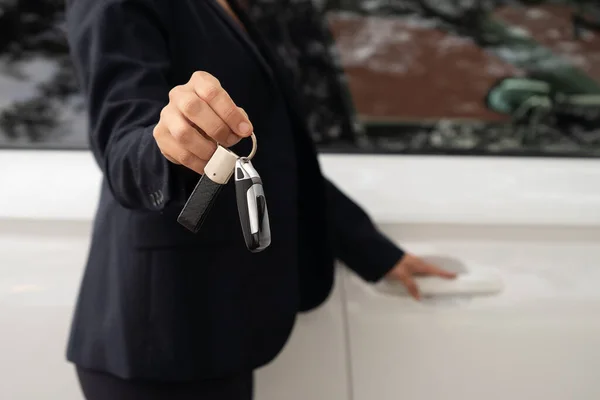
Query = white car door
x=520 y=322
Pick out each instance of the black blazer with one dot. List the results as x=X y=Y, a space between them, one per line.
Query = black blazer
x=157 y=301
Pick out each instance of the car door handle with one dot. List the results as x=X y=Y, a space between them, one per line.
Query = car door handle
x=465 y=284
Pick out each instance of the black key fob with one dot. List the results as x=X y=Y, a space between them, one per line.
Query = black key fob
x=217 y=173
x=252 y=206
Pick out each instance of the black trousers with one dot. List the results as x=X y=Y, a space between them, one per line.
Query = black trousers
x=100 y=386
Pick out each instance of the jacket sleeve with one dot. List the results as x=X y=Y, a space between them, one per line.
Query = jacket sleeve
x=120 y=52
x=357 y=241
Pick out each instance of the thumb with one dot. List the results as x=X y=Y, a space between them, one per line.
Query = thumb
x=411 y=286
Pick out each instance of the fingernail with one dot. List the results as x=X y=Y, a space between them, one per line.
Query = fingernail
x=244 y=128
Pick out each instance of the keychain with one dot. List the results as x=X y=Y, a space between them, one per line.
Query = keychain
x=251 y=202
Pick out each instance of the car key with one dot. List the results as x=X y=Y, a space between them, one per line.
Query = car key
x=252 y=206
x=217 y=172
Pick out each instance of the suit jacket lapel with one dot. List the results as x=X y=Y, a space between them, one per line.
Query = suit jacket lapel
x=241 y=34
x=271 y=64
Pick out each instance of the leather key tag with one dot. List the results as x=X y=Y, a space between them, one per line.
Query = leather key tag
x=217 y=173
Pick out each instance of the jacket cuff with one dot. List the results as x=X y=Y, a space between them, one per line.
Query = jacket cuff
x=380 y=256
x=172 y=187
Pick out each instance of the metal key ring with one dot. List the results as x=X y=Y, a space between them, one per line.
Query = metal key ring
x=252 y=152
x=254 y=147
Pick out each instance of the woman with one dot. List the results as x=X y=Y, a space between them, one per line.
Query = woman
x=164 y=313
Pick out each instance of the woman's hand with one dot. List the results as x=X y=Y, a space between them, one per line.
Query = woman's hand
x=199 y=115
x=409 y=267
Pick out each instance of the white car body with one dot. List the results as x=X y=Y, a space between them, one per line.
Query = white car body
x=521 y=322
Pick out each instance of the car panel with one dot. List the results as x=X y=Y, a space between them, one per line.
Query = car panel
x=537 y=338
x=40 y=268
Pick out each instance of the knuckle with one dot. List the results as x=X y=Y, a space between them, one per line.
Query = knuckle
x=402 y=274
x=215 y=129
x=199 y=76
x=173 y=93
x=213 y=79
x=156 y=132
x=209 y=78
x=185 y=157
x=190 y=106
x=230 y=111
x=164 y=115
x=181 y=133
x=204 y=78
x=196 y=78
x=209 y=92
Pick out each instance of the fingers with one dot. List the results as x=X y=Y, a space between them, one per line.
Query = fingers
x=432 y=270
x=415 y=265
x=210 y=93
x=173 y=150
x=186 y=135
x=444 y=274
x=410 y=266
x=411 y=286
x=195 y=110
x=199 y=115
x=404 y=275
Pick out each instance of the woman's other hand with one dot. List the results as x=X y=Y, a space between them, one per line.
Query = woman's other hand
x=409 y=267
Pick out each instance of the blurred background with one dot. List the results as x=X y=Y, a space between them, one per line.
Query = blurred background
x=404 y=76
